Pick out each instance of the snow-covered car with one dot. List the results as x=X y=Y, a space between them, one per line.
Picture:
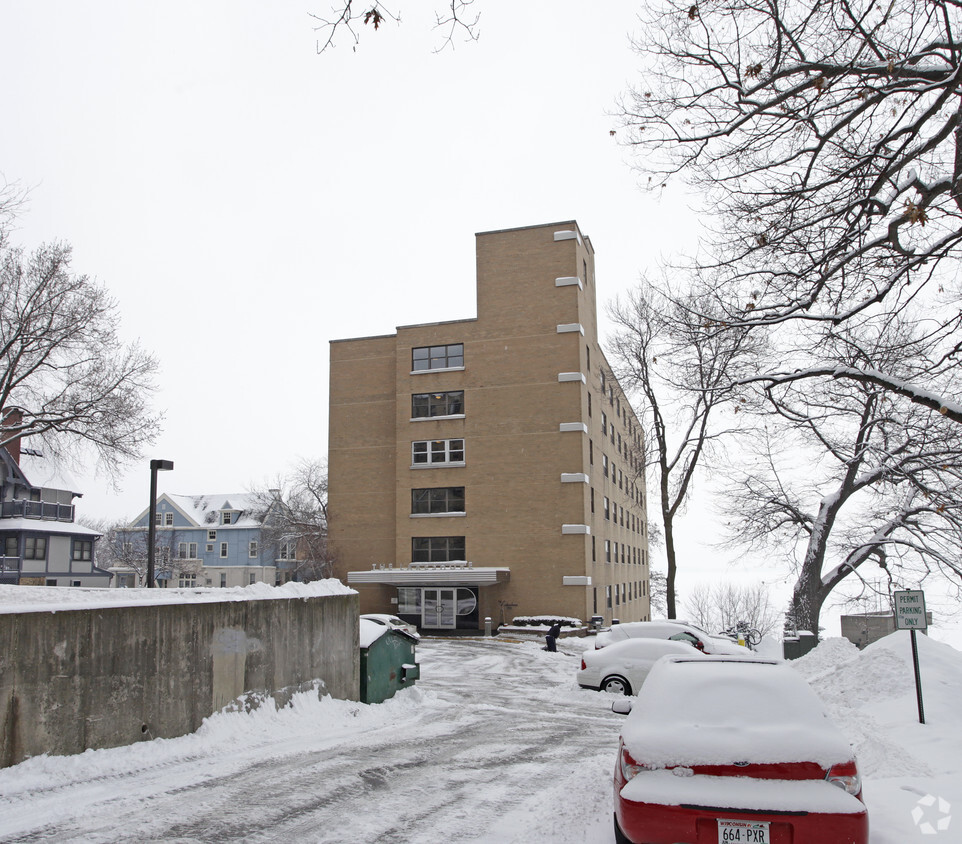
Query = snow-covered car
x=673 y=630
x=392 y=621
x=623 y=666
x=734 y=750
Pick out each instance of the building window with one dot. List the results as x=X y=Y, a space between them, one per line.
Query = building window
x=82 y=549
x=607 y=550
x=168 y=519
x=445 y=499
x=409 y=600
x=223 y=549
x=211 y=535
x=437 y=357
x=608 y=596
x=437 y=549
x=589 y=404
x=187 y=550
x=437 y=451
x=252 y=548
x=210 y=547
x=604 y=465
x=604 y=423
x=594 y=553
x=426 y=405
x=35 y=548
x=11 y=546
x=592 y=499
x=187 y=581
x=223 y=579
x=225 y=517
x=158 y=519
x=607 y=504
x=252 y=579
x=286 y=550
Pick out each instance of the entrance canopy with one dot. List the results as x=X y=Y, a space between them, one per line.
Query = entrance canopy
x=432 y=574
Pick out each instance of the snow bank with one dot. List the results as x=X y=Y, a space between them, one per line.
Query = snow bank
x=14 y=599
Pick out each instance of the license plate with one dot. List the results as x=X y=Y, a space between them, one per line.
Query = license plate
x=743 y=832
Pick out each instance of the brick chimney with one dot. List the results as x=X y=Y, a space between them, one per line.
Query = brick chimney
x=12 y=419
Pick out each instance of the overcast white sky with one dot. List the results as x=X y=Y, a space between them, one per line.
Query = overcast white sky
x=246 y=200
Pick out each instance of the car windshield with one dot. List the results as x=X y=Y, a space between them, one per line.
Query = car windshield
x=694 y=712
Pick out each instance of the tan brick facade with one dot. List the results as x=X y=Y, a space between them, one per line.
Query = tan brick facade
x=525 y=443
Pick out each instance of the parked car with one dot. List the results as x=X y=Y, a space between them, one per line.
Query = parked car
x=623 y=666
x=674 y=630
x=736 y=750
x=392 y=621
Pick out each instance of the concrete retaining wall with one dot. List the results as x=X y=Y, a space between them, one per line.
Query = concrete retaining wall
x=92 y=678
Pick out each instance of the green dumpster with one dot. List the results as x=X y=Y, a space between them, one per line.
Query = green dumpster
x=388 y=661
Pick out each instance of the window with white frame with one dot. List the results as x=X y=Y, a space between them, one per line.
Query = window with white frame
x=433 y=452
x=187 y=580
x=210 y=547
x=168 y=519
x=426 y=405
x=437 y=357
x=434 y=500
x=252 y=548
x=158 y=519
x=287 y=549
x=226 y=517
x=223 y=549
x=187 y=550
x=212 y=536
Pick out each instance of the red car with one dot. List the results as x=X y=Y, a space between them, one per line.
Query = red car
x=733 y=751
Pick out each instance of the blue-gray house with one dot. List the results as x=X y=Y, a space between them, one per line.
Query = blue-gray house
x=214 y=540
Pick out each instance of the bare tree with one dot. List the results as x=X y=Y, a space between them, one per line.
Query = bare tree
x=65 y=376
x=826 y=139
x=845 y=475
x=721 y=606
x=346 y=18
x=683 y=373
x=294 y=514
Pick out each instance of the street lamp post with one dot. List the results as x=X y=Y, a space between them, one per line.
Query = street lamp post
x=155 y=466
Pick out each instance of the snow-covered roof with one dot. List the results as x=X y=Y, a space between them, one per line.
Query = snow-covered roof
x=204 y=510
x=44 y=473
x=48 y=526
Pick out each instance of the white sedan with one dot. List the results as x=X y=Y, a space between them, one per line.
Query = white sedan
x=623 y=666
x=673 y=630
x=392 y=621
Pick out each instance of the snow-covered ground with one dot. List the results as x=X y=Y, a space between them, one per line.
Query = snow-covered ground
x=496 y=743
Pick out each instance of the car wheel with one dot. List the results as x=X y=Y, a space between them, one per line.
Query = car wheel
x=616 y=684
x=620 y=837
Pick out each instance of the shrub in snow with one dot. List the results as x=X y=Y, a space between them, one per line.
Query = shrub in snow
x=544 y=621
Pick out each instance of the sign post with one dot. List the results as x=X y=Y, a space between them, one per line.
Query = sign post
x=910 y=615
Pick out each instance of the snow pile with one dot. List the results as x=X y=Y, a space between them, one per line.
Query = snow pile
x=53 y=598
x=912 y=772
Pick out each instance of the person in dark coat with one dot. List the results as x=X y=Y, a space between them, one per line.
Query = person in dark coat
x=551 y=637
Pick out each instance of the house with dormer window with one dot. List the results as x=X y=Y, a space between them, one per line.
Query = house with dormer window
x=213 y=540
x=40 y=543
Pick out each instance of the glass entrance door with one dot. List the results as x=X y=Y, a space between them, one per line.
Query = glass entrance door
x=438 y=608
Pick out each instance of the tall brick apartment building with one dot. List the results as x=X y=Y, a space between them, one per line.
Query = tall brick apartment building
x=490 y=466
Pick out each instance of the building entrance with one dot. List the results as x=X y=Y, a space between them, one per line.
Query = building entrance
x=438 y=609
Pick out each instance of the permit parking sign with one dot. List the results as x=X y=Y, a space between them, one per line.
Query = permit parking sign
x=910 y=610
